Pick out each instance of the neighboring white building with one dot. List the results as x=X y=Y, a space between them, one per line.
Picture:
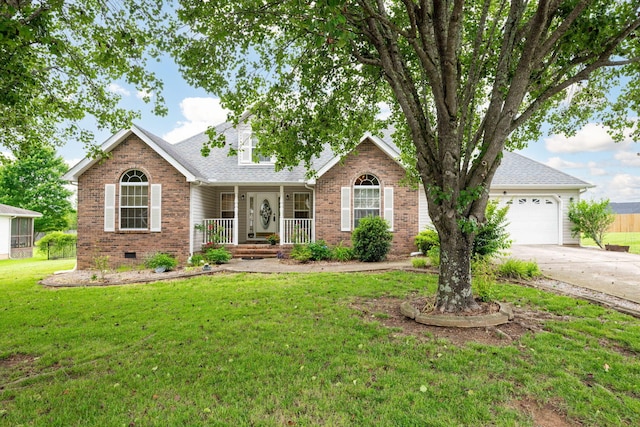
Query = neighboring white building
x=16 y=232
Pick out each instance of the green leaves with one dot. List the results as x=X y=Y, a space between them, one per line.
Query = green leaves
x=34 y=181
x=58 y=59
x=591 y=218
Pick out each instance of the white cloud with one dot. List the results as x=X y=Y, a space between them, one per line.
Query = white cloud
x=622 y=188
x=385 y=111
x=597 y=172
x=144 y=94
x=558 y=163
x=590 y=138
x=628 y=158
x=116 y=88
x=200 y=113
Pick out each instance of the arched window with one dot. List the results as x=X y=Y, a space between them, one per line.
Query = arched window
x=366 y=197
x=134 y=201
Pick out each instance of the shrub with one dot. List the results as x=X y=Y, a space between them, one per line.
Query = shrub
x=434 y=255
x=217 y=255
x=419 y=262
x=342 y=253
x=492 y=237
x=196 y=260
x=518 y=269
x=483 y=280
x=372 y=239
x=161 y=260
x=591 y=218
x=209 y=245
x=319 y=250
x=426 y=240
x=57 y=244
x=301 y=253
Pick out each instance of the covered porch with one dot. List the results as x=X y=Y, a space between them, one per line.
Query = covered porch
x=249 y=214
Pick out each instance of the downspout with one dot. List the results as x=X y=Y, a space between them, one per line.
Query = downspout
x=192 y=223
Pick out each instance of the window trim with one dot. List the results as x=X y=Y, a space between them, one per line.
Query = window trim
x=308 y=205
x=232 y=210
x=121 y=207
x=246 y=146
x=356 y=187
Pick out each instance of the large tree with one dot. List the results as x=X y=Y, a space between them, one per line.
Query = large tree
x=465 y=80
x=58 y=59
x=33 y=180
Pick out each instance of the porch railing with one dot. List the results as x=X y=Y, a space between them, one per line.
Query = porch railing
x=218 y=230
x=297 y=230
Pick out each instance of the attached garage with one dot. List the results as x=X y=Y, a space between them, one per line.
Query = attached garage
x=533 y=220
x=538 y=197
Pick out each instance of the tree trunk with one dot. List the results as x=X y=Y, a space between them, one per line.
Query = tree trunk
x=454 y=284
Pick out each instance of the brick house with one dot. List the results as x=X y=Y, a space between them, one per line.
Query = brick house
x=150 y=195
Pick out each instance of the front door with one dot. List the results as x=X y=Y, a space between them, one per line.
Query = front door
x=263 y=215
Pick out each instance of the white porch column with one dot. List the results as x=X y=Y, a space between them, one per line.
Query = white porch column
x=235 y=215
x=281 y=216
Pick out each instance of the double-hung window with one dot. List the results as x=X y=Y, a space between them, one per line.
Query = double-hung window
x=134 y=201
x=301 y=205
x=366 y=197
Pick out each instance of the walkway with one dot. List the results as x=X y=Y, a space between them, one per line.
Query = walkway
x=613 y=273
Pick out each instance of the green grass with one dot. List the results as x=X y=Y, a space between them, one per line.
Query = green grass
x=631 y=239
x=274 y=350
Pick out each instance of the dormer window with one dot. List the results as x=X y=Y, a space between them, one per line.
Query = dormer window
x=248 y=153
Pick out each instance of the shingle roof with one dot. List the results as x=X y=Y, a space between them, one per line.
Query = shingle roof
x=220 y=167
x=516 y=170
x=6 y=210
x=625 y=208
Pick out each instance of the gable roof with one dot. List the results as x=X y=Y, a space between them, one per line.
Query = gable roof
x=6 y=210
x=163 y=148
x=515 y=170
x=218 y=167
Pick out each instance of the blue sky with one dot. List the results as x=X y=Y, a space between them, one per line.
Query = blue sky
x=591 y=155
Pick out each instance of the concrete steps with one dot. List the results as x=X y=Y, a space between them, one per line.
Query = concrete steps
x=253 y=251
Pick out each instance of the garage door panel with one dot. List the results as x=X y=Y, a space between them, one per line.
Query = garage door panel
x=532 y=220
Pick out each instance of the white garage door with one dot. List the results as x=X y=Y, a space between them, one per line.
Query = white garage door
x=532 y=219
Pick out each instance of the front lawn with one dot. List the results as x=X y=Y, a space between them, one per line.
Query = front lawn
x=631 y=239
x=293 y=350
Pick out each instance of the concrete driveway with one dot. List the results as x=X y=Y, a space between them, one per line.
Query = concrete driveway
x=614 y=273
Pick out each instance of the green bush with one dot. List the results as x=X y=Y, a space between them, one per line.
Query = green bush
x=434 y=255
x=57 y=245
x=372 y=239
x=483 y=280
x=492 y=237
x=319 y=250
x=518 y=269
x=342 y=253
x=426 y=240
x=217 y=255
x=161 y=259
x=592 y=218
x=419 y=262
x=196 y=260
x=301 y=253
